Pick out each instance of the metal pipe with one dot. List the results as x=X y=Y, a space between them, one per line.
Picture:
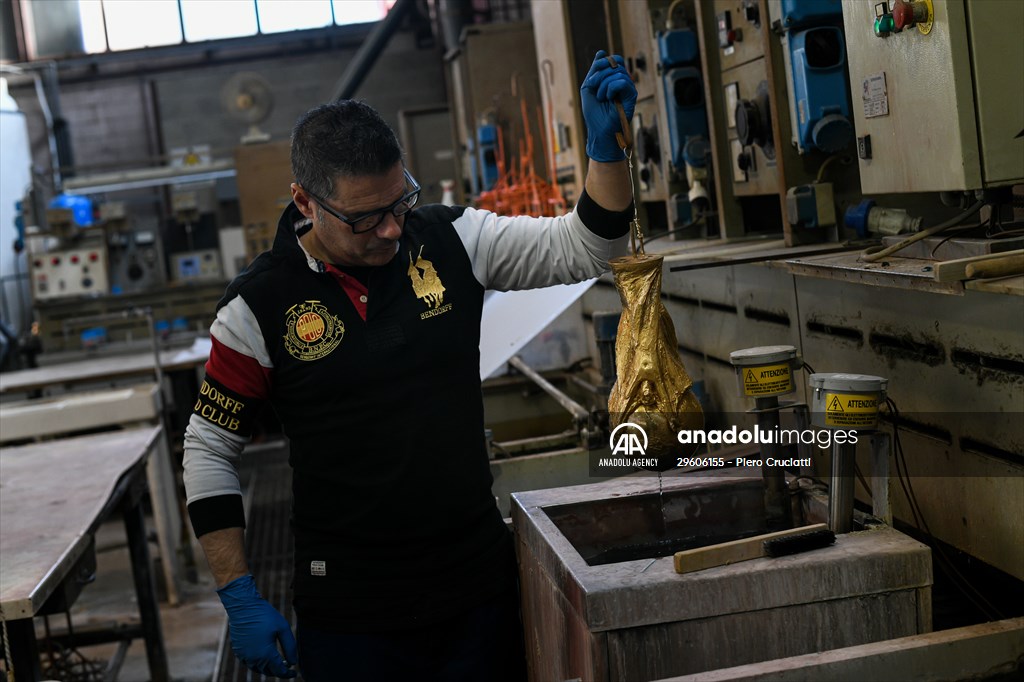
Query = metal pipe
x=32 y=70
x=61 y=129
x=515 y=447
x=451 y=17
x=159 y=371
x=575 y=409
x=840 y=494
x=805 y=451
x=586 y=385
x=103 y=317
x=880 y=447
x=366 y=56
x=138 y=549
x=606 y=329
x=776 y=503
x=149 y=177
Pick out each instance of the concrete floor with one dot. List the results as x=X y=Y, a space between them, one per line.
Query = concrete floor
x=193 y=630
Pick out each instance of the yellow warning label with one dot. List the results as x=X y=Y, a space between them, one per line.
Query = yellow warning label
x=850 y=409
x=767 y=380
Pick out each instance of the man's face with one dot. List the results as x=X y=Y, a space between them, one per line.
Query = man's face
x=357 y=196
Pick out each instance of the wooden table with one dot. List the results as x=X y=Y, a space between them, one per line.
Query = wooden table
x=53 y=496
x=101 y=369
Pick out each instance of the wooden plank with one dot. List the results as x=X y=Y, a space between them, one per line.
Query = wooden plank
x=1003 y=266
x=702 y=647
x=52 y=495
x=1004 y=285
x=984 y=651
x=955 y=270
x=698 y=559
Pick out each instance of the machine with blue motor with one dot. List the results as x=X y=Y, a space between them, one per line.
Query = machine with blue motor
x=487 y=154
x=815 y=52
x=69 y=258
x=817 y=55
x=679 y=63
x=482 y=153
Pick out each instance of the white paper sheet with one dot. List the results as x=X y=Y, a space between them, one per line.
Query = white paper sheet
x=511 y=318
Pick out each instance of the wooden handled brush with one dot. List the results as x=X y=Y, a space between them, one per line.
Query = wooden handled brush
x=800 y=542
x=771 y=544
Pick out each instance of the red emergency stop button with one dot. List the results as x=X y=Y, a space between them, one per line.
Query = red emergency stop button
x=93 y=257
x=909 y=14
x=75 y=259
x=55 y=261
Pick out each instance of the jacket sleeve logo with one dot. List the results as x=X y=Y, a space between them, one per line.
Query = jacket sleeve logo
x=427 y=285
x=311 y=331
x=223 y=407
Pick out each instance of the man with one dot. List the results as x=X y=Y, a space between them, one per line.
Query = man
x=361 y=328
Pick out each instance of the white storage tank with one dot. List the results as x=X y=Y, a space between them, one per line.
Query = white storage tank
x=15 y=179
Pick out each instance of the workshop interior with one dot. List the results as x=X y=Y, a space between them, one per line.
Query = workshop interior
x=831 y=193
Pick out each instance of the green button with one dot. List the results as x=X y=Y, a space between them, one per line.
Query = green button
x=884 y=25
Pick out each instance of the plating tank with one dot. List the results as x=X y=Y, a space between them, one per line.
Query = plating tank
x=599 y=604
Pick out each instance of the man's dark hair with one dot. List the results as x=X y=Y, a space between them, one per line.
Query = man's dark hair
x=344 y=138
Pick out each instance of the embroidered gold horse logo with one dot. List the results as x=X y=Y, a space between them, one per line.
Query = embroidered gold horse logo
x=425 y=282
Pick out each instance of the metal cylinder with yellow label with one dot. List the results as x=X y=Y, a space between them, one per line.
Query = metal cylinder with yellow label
x=846 y=401
x=765 y=371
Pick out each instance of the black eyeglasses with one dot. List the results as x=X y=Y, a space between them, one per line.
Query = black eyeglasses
x=370 y=221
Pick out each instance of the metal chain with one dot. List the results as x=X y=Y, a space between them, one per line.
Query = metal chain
x=636 y=235
x=7 y=646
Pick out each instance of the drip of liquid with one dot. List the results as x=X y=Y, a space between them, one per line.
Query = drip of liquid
x=661 y=499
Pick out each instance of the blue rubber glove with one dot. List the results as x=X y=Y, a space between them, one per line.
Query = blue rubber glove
x=256 y=627
x=602 y=86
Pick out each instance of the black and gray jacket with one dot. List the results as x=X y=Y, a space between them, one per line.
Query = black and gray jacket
x=377 y=386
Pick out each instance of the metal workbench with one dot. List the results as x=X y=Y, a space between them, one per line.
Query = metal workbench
x=101 y=369
x=55 y=495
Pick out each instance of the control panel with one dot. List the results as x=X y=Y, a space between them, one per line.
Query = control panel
x=747 y=96
x=739 y=26
x=637 y=23
x=191 y=266
x=74 y=272
x=136 y=261
x=935 y=87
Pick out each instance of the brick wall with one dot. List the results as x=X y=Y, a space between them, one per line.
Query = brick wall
x=110 y=124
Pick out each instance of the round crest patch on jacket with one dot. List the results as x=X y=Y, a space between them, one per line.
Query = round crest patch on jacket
x=312 y=332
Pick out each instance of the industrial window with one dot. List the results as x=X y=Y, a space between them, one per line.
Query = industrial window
x=360 y=11
x=212 y=19
x=130 y=24
x=289 y=15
